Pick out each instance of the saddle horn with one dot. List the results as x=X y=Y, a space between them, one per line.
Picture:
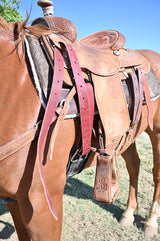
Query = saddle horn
x=47 y=7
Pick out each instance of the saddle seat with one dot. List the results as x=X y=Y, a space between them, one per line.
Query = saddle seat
x=95 y=52
x=59 y=23
x=107 y=39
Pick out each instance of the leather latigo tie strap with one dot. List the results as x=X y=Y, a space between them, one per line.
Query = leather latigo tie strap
x=136 y=98
x=85 y=94
x=141 y=78
x=140 y=87
x=86 y=101
x=48 y=116
x=62 y=112
x=148 y=102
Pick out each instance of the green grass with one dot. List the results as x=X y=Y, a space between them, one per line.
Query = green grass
x=86 y=219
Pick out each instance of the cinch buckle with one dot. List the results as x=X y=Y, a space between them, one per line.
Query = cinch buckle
x=63 y=101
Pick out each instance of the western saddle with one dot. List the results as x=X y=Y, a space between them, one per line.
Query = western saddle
x=104 y=63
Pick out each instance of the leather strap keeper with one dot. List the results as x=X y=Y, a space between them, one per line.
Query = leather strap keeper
x=106 y=185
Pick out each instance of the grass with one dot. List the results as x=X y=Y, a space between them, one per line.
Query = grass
x=85 y=219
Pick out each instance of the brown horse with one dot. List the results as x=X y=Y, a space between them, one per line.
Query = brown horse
x=20 y=110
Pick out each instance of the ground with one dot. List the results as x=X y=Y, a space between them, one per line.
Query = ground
x=87 y=220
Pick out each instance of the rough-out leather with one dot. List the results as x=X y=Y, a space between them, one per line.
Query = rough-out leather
x=106 y=39
x=111 y=105
x=100 y=62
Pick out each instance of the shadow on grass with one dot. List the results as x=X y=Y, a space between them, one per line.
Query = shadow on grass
x=7 y=231
x=139 y=222
x=3 y=208
x=80 y=190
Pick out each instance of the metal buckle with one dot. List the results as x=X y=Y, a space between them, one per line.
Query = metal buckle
x=125 y=74
x=63 y=101
x=116 y=52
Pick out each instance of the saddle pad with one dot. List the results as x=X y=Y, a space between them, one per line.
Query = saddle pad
x=42 y=65
x=112 y=106
x=153 y=57
x=153 y=84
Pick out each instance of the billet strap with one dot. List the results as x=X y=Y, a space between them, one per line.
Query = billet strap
x=140 y=86
x=91 y=105
x=51 y=108
x=148 y=102
x=85 y=101
x=62 y=112
x=85 y=94
x=141 y=78
x=48 y=116
x=91 y=111
x=48 y=48
x=136 y=97
x=143 y=88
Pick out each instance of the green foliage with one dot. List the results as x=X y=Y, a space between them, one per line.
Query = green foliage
x=9 y=10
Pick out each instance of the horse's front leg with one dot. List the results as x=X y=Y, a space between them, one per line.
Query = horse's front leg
x=132 y=162
x=151 y=226
x=37 y=217
x=21 y=230
x=34 y=209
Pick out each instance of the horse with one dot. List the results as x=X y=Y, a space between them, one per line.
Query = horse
x=21 y=112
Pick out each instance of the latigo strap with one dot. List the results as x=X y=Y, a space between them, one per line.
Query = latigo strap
x=86 y=101
x=148 y=102
x=47 y=120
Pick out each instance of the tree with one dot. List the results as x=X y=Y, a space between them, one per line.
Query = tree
x=9 y=10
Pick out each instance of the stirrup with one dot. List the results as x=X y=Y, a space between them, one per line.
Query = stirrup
x=106 y=185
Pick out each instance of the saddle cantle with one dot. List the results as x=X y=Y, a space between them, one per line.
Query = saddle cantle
x=57 y=23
